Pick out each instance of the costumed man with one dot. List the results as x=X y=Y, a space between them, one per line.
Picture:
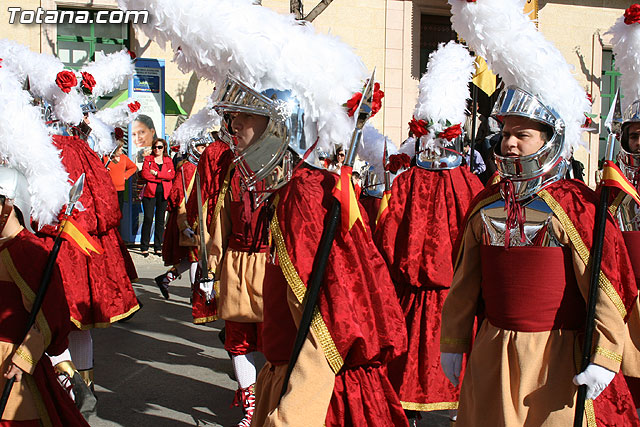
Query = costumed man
x=626 y=42
x=417 y=234
x=179 y=244
x=522 y=362
x=33 y=184
x=358 y=325
x=97 y=281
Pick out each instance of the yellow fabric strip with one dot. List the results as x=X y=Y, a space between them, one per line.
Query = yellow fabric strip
x=45 y=420
x=84 y=242
x=384 y=205
x=609 y=354
x=439 y=406
x=297 y=286
x=590 y=413
x=581 y=248
x=29 y=295
x=613 y=208
x=189 y=187
x=84 y=327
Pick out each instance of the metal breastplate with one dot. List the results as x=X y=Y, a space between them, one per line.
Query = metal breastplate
x=628 y=215
x=538 y=229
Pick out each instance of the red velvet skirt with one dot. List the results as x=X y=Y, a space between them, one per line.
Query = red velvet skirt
x=363 y=396
x=97 y=287
x=172 y=252
x=417 y=375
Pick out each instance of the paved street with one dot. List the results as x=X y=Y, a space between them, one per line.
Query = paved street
x=159 y=369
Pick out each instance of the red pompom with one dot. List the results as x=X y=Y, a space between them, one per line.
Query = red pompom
x=451 y=132
x=134 y=106
x=418 y=127
x=397 y=162
x=632 y=15
x=88 y=82
x=66 y=80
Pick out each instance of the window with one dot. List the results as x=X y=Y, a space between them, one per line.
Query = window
x=609 y=84
x=434 y=29
x=78 y=43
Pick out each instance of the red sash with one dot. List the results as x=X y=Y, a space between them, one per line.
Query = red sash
x=531 y=289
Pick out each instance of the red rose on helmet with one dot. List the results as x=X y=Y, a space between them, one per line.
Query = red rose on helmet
x=0 y=61
x=88 y=83
x=131 y=54
x=397 y=162
x=66 y=80
x=471 y=1
x=119 y=133
x=134 y=106
x=632 y=15
x=352 y=104
x=451 y=132
x=376 y=103
x=418 y=127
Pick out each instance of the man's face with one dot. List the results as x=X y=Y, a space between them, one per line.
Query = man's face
x=247 y=128
x=634 y=137
x=521 y=136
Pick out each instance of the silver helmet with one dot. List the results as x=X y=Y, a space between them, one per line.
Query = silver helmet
x=373 y=185
x=439 y=154
x=14 y=186
x=531 y=173
x=268 y=163
x=629 y=161
x=193 y=155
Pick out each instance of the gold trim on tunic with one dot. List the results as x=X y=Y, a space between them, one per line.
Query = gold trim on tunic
x=609 y=354
x=426 y=407
x=581 y=248
x=298 y=287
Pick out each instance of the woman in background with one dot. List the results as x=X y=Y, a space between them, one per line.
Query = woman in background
x=158 y=171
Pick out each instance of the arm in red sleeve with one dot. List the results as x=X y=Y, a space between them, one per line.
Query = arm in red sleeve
x=168 y=172
x=146 y=171
x=129 y=167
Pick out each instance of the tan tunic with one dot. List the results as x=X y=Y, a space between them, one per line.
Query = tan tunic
x=240 y=274
x=518 y=378
x=312 y=382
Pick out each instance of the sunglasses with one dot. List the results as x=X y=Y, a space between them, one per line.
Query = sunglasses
x=159 y=147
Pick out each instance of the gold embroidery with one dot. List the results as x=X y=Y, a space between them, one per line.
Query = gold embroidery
x=609 y=354
x=616 y=202
x=201 y=320
x=45 y=420
x=581 y=248
x=590 y=413
x=299 y=289
x=27 y=292
x=439 y=406
x=26 y=356
x=113 y=319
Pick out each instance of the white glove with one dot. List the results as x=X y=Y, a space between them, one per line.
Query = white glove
x=206 y=287
x=596 y=378
x=189 y=232
x=452 y=365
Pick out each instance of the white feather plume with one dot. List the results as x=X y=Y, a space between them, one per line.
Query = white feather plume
x=25 y=145
x=42 y=70
x=102 y=135
x=444 y=88
x=110 y=71
x=626 y=48
x=118 y=116
x=202 y=121
x=265 y=50
x=371 y=148
x=500 y=32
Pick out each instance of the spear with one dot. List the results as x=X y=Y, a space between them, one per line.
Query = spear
x=328 y=235
x=596 y=256
x=74 y=196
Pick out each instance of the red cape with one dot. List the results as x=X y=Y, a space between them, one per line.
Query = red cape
x=172 y=252
x=417 y=235
x=28 y=255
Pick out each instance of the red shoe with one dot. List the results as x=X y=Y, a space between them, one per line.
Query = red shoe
x=246 y=396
